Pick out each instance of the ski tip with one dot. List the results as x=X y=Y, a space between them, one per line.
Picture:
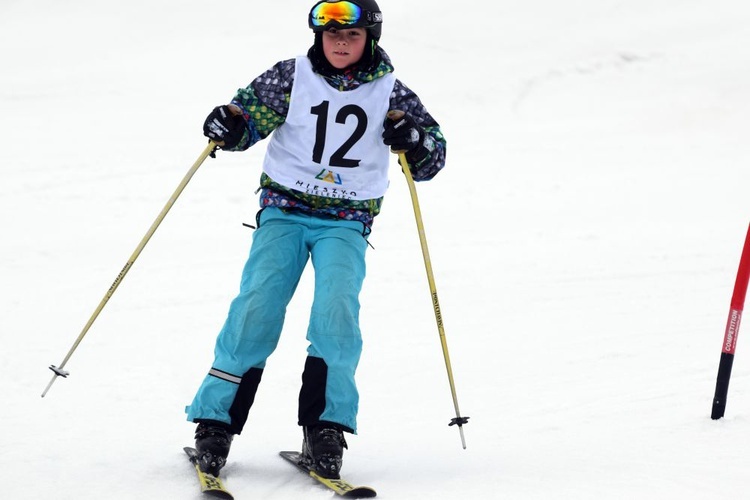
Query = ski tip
x=341 y=487
x=292 y=456
x=225 y=495
x=360 y=492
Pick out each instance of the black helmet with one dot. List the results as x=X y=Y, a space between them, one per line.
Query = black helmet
x=349 y=13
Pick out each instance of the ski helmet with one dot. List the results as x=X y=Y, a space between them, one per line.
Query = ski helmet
x=347 y=13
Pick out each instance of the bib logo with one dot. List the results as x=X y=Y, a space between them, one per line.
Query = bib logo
x=328 y=176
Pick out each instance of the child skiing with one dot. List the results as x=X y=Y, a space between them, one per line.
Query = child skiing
x=324 y=176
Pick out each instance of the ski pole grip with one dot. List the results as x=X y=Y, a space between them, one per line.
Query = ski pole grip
x=396 y=114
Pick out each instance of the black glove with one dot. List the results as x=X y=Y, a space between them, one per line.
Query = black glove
x=222 y=125
x=404 y=134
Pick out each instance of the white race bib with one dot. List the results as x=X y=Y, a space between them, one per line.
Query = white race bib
x=331 y=143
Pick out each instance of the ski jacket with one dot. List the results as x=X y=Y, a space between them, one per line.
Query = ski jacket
x=265 y=104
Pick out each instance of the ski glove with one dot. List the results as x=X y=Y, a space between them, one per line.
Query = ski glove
x=403 y=134
x=224 y=127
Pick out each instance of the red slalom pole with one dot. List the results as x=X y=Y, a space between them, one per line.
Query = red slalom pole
x=731 y=332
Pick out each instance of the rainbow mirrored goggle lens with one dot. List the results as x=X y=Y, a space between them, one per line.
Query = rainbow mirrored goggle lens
x=341 y=13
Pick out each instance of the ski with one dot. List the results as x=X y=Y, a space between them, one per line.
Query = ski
x=210 y=485
x=341 y=487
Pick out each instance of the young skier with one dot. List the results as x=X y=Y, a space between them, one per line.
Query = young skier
x=324 y=177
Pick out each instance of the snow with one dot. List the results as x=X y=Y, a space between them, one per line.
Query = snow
x=585 y=238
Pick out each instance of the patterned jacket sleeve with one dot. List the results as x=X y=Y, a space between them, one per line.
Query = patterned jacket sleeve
x=406 y=100
x=265 y=102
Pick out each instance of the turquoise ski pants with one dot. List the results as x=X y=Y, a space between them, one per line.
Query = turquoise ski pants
x=282 y=245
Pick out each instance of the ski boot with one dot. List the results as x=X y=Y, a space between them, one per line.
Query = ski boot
x=323 y=449
x=212 y=442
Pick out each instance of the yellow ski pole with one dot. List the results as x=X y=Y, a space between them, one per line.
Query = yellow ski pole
x=459 y=420
x=58 y=370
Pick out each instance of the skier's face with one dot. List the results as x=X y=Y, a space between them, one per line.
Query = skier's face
x=345 y=47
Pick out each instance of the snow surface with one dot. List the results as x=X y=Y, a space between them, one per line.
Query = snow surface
x=585 y=237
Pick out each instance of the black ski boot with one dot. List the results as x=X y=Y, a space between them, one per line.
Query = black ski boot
x=323 y=449
x=212 y=442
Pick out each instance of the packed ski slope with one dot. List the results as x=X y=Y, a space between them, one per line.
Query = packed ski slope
x=585 y=237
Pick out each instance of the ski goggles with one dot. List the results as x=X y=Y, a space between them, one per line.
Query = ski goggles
x=341 y=14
